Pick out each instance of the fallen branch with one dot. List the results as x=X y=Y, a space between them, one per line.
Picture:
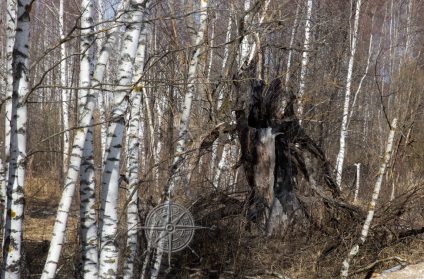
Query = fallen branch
x=373 y=264
x=250 y=274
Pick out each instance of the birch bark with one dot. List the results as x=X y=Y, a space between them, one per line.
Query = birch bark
x=10 y=41
x=358 y=181
x=133 y=165
x=185 y=114
x=87 y=174
x=109 y=201
x=88 y=209
x=2 y=192
x=101 y=103
x=408 y=29
x=11 y=267
x=86 y=111
x=370 y=51
x=344 y=131
x=184 y=122
x=221 y=92
x=223 y=163
x=293 y=34
x=65 y=92
x=305 y=60
x=132 y=175
x=371 y=207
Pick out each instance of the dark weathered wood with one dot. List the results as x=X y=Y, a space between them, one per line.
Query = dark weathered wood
x=287 y=171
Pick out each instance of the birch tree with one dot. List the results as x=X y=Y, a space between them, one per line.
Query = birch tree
x=305 y=59
x=88 y=210
x=186 y=110
x=184 y=121
x=65 y=92
x=220 y=97
x=371 y=207
x=344 y=131
x=85 y=111
x=11 y=267
x=101 y=103
x=133 y=165
x=109 y=201
x=87 y=176
x=10 y=40
x=2 y=192
x=292 y=38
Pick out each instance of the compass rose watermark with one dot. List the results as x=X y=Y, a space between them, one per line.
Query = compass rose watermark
x=169 y=228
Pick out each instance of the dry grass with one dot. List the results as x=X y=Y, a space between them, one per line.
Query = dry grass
x=42 y=198
x=228 y=251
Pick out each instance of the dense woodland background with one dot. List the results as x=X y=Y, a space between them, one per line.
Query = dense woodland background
x=259 y=63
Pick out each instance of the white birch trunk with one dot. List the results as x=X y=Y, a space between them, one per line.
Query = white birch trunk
x=11 y=267
x=88 y=211
x=65 y=92
x=344 y=131
x=370 y=51
x=227 y=41
x=132 y=175
x=234 y=154
x=100 y=70
x=408 y=29
x=109 y=201
x=184 y=122
x=185 y=115
x=103 y=126
x=86 y=112
x=101 y=104
x=221 y=92
x=305 y=60
x=152 y=145
x=293 y=34
x=158 y=146
x=223 y=163
x=358 y=181
x=247 y=53
x=87 y=186
x=87 y=175
x=371 y=207
x=10 y=41
x=2 y=192
x=133 y=162
x=209 y=68
x=85 y=118
x=245 y=45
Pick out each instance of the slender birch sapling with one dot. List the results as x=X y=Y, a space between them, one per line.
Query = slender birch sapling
x=343 y=130
x=305 y=60
x=185 y=114
x=65 y=92
x=371 y=207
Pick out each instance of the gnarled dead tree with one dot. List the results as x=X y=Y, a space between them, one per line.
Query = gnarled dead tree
x=286 y=170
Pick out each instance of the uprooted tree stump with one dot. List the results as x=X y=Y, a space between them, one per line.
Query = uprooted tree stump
x=288 y=174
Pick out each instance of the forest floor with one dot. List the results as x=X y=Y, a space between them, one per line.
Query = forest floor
x=415 y=271
x=295 y=258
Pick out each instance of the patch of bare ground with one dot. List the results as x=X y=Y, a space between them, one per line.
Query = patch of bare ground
x=42 y=198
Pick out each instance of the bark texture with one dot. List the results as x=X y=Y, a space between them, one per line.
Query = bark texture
x=287 y=172
x=110 y=178
x=12 y=256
